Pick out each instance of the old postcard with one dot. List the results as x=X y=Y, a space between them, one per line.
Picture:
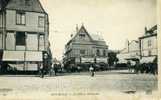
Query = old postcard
x=80 y=49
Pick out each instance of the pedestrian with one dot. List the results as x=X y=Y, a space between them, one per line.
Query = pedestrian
x=91 y=69
x=55 y=69
x=137 y=67
x=41 y=71
x=51 y=70
x=78 y=68
x=129 y=66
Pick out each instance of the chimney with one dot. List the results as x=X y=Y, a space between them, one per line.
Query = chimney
x=146 y=30
x=71 y=35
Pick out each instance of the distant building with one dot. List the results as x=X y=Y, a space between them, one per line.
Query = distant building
x=144 y=50
x=84 y=49
x=148 y=45
x=131 y=52
x=24 y=31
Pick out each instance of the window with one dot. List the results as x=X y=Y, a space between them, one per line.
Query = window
x=82 y=52
x=20 y=18
x=149 y=43
x=149 y=53
x=104 y=52
x=20 y=38
x=82 y=36
x=98 y=52
x=41 y=21
x=41 y=42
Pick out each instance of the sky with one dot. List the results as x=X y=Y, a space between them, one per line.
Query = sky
x=115 y=20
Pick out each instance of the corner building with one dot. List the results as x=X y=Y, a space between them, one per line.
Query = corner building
x=85 y=49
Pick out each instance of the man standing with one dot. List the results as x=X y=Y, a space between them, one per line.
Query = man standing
x=91 y=69
x=55 y=69
x=41 y=71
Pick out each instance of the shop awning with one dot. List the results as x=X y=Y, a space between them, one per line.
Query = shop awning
x=21 y=56
x=148 y=59
x=13 y=56
x=101 y=60
x=122 y=61
x=34 y=56
x=85 y=60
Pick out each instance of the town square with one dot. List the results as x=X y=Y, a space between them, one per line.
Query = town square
x=78 y=47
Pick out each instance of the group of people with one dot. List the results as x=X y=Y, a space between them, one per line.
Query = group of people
x=54 y=69
x=142 y=68
x=48 y=70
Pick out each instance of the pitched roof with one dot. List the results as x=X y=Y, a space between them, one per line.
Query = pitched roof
x=25 y=5
x=81 y=30
x=97 y=37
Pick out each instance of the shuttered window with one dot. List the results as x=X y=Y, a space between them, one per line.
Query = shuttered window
x=20 y=18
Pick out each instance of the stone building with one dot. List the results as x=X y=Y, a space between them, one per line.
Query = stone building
x=148 y=45
x=85 y=49
x=24 y=31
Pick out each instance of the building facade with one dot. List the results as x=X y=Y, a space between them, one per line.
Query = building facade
x=148 y=45
x=145 y=49
x=24 y=31
x=85 y=48
x=131 y=52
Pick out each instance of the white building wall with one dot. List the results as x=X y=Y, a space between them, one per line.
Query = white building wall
x=134 y=46
x=10 y=41
x=145 y=48
x=32 y=41
x=131 y=51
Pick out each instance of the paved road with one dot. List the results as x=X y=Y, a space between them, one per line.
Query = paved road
x=120 y=81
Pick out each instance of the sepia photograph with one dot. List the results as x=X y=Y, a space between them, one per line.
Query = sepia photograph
x=79 y=49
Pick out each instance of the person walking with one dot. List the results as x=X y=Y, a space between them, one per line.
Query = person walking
x=91 y=69
x=41 y=71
